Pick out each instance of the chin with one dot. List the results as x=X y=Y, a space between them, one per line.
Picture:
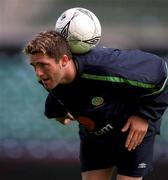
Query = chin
x=49 y=87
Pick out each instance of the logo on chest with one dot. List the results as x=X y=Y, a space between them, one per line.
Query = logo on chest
x=97 y=101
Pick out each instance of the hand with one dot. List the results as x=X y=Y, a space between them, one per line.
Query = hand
x=137 y=129
x=65 y=119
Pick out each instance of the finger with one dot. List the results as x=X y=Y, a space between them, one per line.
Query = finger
x=126 y=126
x=129 y=137
x=64 y=121
x=67 y=121
x=141 y=138
x=135 y=140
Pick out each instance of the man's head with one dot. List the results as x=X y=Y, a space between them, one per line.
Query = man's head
x=48 y=43
x=49 y=55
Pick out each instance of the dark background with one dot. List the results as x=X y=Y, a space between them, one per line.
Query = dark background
x=31 y=146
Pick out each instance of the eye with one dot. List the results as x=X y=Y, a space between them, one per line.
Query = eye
x=43 y=65
x=40 y=65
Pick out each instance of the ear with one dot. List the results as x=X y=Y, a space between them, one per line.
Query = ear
x=64 y=60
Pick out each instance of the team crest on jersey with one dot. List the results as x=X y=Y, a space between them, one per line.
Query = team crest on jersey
x=97 y=101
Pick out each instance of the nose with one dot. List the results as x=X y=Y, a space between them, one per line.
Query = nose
x=38 y=71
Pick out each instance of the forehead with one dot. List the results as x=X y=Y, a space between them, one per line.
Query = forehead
x=37 y=58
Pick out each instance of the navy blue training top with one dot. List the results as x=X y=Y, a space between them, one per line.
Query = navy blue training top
x=110 y=86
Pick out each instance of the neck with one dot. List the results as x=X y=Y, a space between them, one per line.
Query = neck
x=70 y=73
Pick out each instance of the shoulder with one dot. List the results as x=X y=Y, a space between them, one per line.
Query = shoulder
x=127 y=63
x=108 y=54
x=97 y=56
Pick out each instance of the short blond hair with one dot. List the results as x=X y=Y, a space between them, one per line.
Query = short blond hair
x=48 y=43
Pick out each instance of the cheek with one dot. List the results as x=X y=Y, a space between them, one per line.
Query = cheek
x=55 y=74
x=50 y=71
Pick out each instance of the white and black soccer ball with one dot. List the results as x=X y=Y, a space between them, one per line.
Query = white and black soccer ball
x=80 y=27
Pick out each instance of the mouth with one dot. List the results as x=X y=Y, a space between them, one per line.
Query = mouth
x=45 y=81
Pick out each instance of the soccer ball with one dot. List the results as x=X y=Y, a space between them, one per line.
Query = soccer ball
x=80 y=27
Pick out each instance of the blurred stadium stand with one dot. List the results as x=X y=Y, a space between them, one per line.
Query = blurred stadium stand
x=128 y=23
x=31 y=146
